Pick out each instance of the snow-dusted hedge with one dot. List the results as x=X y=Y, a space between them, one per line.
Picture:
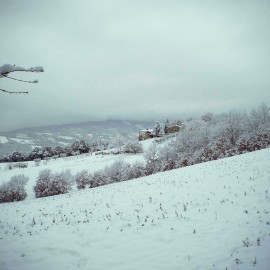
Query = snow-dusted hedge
x=133 y=147
x=82 y=179
x=49 y=184
x=117 y=172
x=222 y=148
x=14 y=190
x=46 y=153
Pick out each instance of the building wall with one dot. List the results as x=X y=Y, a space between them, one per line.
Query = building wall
x=144 y=135
x=173 y=129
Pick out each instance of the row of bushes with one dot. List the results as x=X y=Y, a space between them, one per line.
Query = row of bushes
x=222 y=148
x=50 y=184
x=77 y=148
x=117 y=172
x=169 y=157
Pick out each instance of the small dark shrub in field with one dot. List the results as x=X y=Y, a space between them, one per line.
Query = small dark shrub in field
x=20 y=165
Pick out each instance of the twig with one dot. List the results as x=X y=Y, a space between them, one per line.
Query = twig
x=12 y=92
x=34 y=81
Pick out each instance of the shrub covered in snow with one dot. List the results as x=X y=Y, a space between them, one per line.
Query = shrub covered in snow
x=223 y=147
x=49 y=184
x=14 y=190
x=136 y=170
x=79 y=146
x=153 y=161
x=98 y=178
x=133 y=147
x=118 y=171
x=43 y=183
x=82 y=179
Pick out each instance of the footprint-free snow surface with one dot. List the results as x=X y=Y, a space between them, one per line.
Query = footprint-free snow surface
x=213 y=215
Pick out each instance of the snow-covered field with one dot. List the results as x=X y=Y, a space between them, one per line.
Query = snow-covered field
x=214 y=215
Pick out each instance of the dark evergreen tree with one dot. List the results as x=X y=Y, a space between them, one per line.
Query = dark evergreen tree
x=166 y=126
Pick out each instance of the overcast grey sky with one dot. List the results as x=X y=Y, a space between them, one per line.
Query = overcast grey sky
x=140 y=59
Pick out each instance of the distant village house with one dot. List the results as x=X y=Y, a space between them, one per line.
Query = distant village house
x=172 y=129
x=145 y=134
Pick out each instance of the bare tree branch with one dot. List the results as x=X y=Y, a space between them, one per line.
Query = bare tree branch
x=6 y=69
x=34 y=81
x=12 y=92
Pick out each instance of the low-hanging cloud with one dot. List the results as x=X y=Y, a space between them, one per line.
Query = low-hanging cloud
x=133 y=59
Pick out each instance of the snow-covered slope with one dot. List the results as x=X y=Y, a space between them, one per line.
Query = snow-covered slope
x=209 y=216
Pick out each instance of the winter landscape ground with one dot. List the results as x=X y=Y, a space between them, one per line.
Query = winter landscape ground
x=213 y=215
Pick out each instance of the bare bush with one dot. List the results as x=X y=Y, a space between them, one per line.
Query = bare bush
x=14 y=190
x=82 y=179
x=133 y=147
x=152 y=157
x=137 y=170
x=20 y=165
x=117 y=171
x=99 y=178
x=49 y=184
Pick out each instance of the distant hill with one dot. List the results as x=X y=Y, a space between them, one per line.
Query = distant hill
x=25 y=140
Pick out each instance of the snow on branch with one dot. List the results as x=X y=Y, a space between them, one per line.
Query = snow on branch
x=6 y=69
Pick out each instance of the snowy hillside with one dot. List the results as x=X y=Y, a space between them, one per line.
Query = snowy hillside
x=213 y=215
x=25 y=140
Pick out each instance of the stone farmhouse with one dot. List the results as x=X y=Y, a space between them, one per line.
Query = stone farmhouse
x=145 y=134
x=172 y=129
